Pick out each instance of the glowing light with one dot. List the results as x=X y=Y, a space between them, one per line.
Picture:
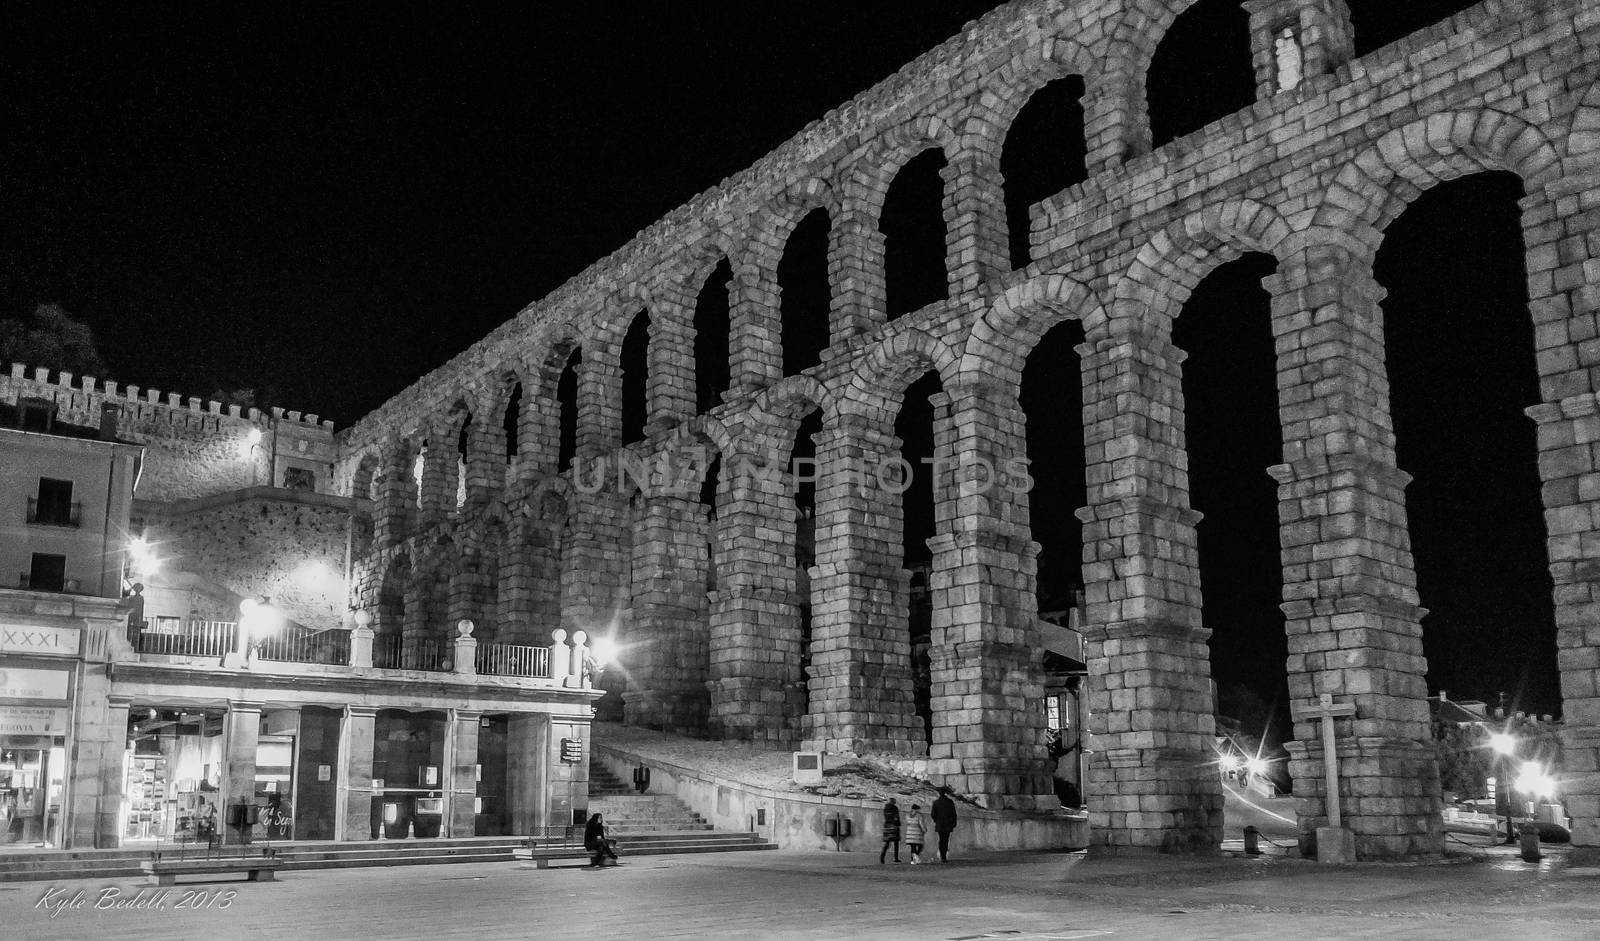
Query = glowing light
x=1502 y=743
x=1255 y=766
x=142 y=558
x=1230 y=761
x=249 y=442
x=604 y=650
x=1535 y=781
x=258 y=619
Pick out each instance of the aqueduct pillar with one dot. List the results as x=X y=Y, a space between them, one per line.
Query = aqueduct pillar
x=1152 y=777
x=987 y=696
x=1349 y=584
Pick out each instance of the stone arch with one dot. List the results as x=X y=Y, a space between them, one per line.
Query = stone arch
x=1167 y=268
x=893 y=363
x=697 y=267
x=872 y=174
x=987 y=123
x=1116 y=93
x=1370 y=191
x=366 y=474
x=997 y=348
x=771 y=234
x=617 y=318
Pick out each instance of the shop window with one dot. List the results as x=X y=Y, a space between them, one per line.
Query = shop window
x=48 y=572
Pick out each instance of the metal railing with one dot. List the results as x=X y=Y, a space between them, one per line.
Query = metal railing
x=513 y=660
x=184 y=638
x=392 y=652
x=302 y=645
x=54 y=513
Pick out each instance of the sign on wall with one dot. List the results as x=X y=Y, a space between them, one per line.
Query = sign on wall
x=58 y=641
x=33 y=720
x=18 y=683
x=571 y=751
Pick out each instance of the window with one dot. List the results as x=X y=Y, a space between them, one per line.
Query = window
x=299 y=478
x=48 y=573
x=53 y=506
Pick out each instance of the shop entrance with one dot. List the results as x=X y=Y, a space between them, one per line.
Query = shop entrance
x=32 y=781
x=173 y=768
x=408 y=774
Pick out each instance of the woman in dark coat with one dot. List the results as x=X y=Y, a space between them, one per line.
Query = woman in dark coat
x=891 y=830
x=595 y=841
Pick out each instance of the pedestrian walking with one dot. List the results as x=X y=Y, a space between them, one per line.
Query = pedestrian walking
x=595 y=841
x=916 y=832
x=891 y=831
x=944 y=820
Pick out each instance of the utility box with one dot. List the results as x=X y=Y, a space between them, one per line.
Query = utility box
x=808 y=767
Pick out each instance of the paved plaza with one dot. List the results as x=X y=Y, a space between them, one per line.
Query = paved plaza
x=847 y=895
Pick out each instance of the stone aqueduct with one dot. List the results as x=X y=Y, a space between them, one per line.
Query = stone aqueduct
x=1311 y=174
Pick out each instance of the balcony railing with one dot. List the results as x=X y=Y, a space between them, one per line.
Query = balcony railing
x=53 y=513
x=180 y=637
x=300 y=645
x=513 y=660
x=393 y=652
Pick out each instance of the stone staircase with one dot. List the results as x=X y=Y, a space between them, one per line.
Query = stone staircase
x=658 y=823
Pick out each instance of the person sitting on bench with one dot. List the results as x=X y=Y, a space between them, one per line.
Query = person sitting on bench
x=595 y=841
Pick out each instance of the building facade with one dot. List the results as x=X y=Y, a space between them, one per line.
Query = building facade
x=178 y=662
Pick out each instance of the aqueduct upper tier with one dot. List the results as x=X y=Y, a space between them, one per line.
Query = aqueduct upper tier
x=474 y=513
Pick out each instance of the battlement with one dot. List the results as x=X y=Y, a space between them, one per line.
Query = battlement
x=38 y=382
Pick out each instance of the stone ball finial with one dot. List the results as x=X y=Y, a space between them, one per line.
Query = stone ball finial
x=363 y=617
x=578 y=637
x=559 y=636
x=464 y=627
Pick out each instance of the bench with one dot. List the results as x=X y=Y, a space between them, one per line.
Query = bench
x=543 y=857
x=164 y=870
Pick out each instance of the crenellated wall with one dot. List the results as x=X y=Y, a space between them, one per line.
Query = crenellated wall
x=193 y=448
x=1311 y=175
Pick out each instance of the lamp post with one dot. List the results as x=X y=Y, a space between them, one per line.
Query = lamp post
x=1505 y=746
x=258 y=619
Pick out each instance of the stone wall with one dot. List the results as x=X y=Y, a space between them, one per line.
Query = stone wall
x=1311 y=174
x=262 y=541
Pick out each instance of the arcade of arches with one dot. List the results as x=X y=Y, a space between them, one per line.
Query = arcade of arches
x=755 y=603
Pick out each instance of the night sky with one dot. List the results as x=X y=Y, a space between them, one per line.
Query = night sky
x=323 y=204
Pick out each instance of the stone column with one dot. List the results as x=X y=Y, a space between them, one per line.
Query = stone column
x=593 y=565
x=461 y=772
x=1564 y=297
x=240 y=738
x=1149 y=684
x=667 y=652
x=527 y=764
x=353 y=805
x=756 y=347
x=977 y=236
x=755 y=621
x=1116 y=124
x=988 y=686
x=855 y=261
x=1349 y=585
x=566 y=785
x=101 y=779
x=861 y=686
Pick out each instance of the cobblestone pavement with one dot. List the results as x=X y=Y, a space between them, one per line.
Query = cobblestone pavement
x=1019 y=897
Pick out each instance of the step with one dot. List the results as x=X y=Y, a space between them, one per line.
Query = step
x=330 y=855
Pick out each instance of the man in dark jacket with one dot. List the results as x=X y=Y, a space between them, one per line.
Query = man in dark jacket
x=944 y=820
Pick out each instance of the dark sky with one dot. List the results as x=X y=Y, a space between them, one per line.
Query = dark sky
x=323 y=203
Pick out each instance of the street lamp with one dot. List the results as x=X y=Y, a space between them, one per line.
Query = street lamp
x=1505 y=746
x=258 y=620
